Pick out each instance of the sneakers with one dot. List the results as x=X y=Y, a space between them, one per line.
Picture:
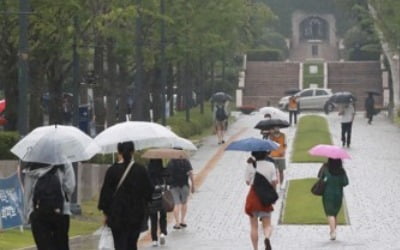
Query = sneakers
x=267 y=244
x=333 y=235
x=154 y=244
x=162 y=239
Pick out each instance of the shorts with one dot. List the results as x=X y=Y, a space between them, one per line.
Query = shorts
x=261 y=214
x=180 y=194
x=280 y=164
x=220 y=124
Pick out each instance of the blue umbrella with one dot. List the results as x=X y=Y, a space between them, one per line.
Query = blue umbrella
x=253 y=144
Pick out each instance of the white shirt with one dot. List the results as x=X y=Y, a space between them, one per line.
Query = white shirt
x=265 y=168
x=348 y=113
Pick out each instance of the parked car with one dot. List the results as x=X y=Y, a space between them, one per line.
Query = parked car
x=312 y=98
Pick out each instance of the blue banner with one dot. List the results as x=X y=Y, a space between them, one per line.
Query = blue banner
x=11 y=202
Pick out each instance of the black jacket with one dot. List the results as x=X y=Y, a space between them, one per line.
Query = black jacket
x=128 y=206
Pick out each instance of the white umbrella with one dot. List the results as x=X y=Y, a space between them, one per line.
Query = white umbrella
x=275 y=113
x=143 y=134
x=55 y=144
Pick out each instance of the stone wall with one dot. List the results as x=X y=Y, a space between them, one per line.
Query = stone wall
x=266 y=82
x=356 y=77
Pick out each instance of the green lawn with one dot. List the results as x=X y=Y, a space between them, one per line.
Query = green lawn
x=87 y=223
x=302 y=207
x=311 y=130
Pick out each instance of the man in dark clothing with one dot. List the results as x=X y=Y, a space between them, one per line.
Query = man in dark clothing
x=180 y=171
x=370 y=107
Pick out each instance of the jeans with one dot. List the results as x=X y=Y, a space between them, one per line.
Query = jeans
x=294 y=115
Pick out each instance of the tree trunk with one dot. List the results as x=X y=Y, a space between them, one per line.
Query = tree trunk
x=55 y=92
x=393 y=59
x=112 y=85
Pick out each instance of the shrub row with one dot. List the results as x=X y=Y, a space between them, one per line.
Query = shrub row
x=7 y=141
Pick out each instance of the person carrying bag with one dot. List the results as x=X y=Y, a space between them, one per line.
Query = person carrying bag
x=124 y=196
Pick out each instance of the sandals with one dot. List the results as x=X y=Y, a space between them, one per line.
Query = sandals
x=177 y=227
x=183 y=225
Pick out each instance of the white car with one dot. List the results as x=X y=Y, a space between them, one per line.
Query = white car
x=313 y=98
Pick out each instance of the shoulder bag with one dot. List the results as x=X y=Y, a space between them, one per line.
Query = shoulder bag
x=319 y=187
x=264 y=190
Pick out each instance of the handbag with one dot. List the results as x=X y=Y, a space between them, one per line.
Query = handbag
x=167 y=201
x=106 y=241
x=319 y=186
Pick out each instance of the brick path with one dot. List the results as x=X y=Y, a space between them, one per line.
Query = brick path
x=216 y=219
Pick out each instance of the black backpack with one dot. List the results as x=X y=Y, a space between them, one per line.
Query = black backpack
x=48 y=195
x=220 y=113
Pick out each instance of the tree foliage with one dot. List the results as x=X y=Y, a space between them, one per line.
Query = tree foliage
x=201 y=37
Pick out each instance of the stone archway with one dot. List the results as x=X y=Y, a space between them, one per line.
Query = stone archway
x=314 y=28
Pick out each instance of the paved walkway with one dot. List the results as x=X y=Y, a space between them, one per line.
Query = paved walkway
x=216 y=219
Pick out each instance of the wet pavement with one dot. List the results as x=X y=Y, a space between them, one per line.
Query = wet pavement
x=216 y=218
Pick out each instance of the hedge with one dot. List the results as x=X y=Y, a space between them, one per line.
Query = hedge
x=7 y=141
x=264 y=55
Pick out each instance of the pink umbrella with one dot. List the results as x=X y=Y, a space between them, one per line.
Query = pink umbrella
x=329 y=151
x=2 y=105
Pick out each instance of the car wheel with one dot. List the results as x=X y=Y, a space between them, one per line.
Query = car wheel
x=329 y=107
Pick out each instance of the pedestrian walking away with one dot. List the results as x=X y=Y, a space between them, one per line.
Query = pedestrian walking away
x=279 y=154
x=347 y=112
x=124 y=196
x=335 y=178
x=294 y=109
x=259 y=163
x=158 y=216
x=370 y=107
x=180 y=171
x=220 y=117
x=47 y=193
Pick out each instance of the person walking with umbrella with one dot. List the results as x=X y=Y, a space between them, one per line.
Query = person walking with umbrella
x=180 y=172
x=259 y=162
x=220 y=117
x=335 y=179
x=294 y=109
x=261 y=176
x=47 y=193
x=370 y=106
x=279 y=154
x=347 y=112
x=124 y=196
x=158 y=175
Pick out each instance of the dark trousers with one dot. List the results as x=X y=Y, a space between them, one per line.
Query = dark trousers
x=370 y=115
x=154 y=224
x=127 y=238
x=50 y=231
x=346 y=133
x=292 y=114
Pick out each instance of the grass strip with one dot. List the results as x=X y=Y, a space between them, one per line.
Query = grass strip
x=84 y=224
x=311 y=130
x=302 y=207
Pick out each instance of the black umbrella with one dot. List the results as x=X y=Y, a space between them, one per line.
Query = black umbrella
x=291 y=91
x=373 y=92
x=221 y=97
x=272 y=123
x=342 y=97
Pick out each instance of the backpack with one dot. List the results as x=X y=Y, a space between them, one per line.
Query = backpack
x=48 y=195
x=220 y=114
